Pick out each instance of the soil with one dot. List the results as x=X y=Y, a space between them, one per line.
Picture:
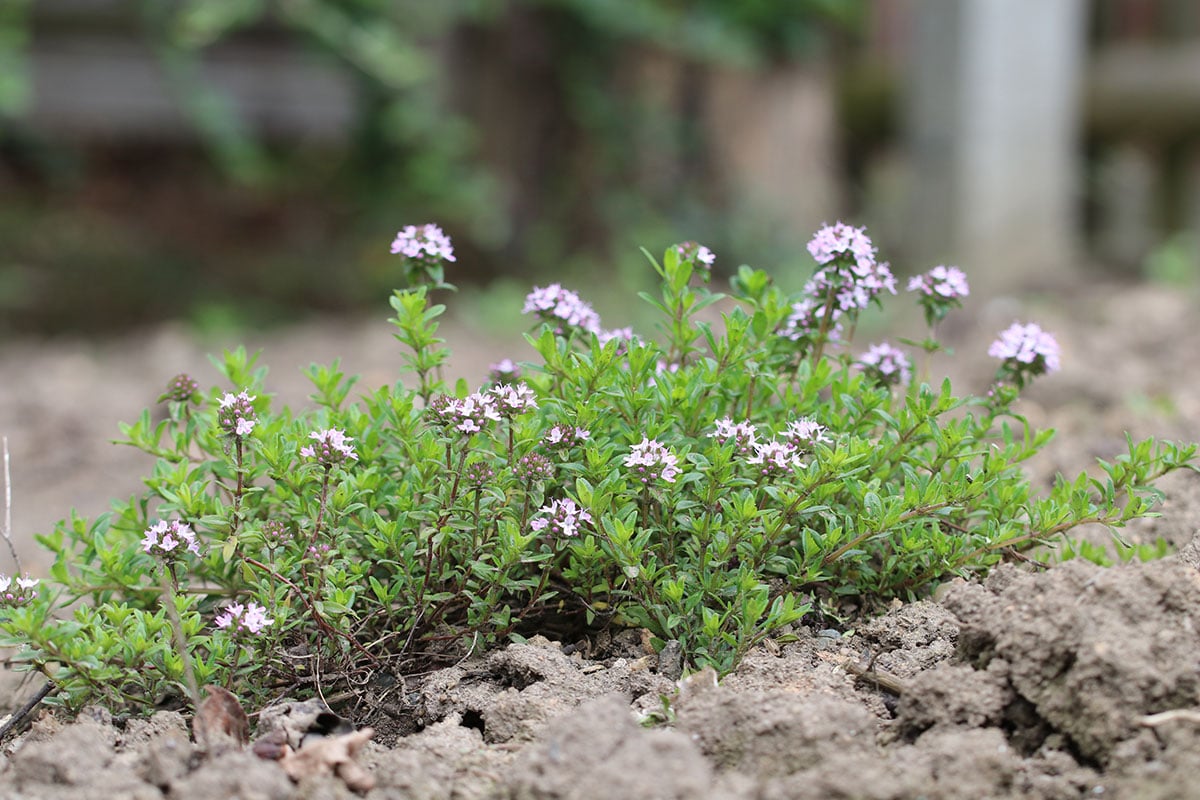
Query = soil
x=1068 y=682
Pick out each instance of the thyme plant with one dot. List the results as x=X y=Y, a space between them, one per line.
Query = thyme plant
x=712 y=483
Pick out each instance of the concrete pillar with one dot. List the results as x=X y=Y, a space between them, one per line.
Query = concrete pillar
x=993 y=119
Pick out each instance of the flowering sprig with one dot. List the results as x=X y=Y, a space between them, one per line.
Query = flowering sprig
x=560 y=518
x=886 y=365
x=504 y=371
x=426 y=250
x=621 y=335
x=466 y=415
x=183 y=388
x=533 y=467
x=16 y=591
x=331 y=446
x=775 y=458
x=1025 y=351
x=743 y=435
x=275 y=534
x=563 y=309
x=243 y=620
x=701 y=258
x=848 y=280
x=651 y=461
x=236 y=415
x=167 y=540
x=564 y=437
x=512 y=400
x=803 y=433
x=938 y=291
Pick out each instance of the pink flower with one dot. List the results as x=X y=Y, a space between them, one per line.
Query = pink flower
x=695 y=251
x=651 y=460
x=329 y=447
x=19 y=594
x=533 y=467
x=886 y=364
x=511 y=400
x=947 y=282
x=806 y=431
x=424 y=243
x=504 y=371
x=560 y=518
x=163 y=539
x=471 y=414
x=556 y=305
x=1027 y=348
x=237 y=619
x=775 y=458
x=849 y=274
x=236 y=414
x=622 y=335
x=181 y=389
x=742 y=434
x=843 y=241
x=566 y=436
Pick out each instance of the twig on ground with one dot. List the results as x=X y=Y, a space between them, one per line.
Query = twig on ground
x=7 y=530
x=882 y=680
x=1174 y=715
x=20 y=714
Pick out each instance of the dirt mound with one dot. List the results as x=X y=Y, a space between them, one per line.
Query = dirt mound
x=1032 y=684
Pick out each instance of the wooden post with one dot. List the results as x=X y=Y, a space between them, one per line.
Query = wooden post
x=993 y=119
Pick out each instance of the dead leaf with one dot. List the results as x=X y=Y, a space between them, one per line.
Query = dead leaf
x=332 y=755
x=220 y=723
x=273 y=746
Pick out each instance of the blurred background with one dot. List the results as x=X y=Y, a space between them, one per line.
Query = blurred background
x=247 y=162
x=177 y=176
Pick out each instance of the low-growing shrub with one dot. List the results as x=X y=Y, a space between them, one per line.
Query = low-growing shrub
x=712 y=485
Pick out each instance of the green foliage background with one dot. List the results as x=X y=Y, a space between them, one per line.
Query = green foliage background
x=414 y=155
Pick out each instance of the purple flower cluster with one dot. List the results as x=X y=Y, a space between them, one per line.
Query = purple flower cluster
x=504 y=371
x=181 y=388
x=478 y=473
x=424 y=243
x=237 y=619
x=560 y=518
x=17 y=591
x=886 y=364
x=511 y=400
x=743 y=435
x=275 y=533
x=566 y=436
x=467 y=415
x=843 y=242
x=696 y=252
x=848 y=270
x=651 y=460
x=236 y=414
x=329 y=447
x=533 y=467
x=1027 y=349
x=165 y=539
x=775 y=458
x=941 y=281
x=562 y=308
x=805 y=432
x=622 y=335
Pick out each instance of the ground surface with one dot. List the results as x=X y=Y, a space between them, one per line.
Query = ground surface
x=1031 y=684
